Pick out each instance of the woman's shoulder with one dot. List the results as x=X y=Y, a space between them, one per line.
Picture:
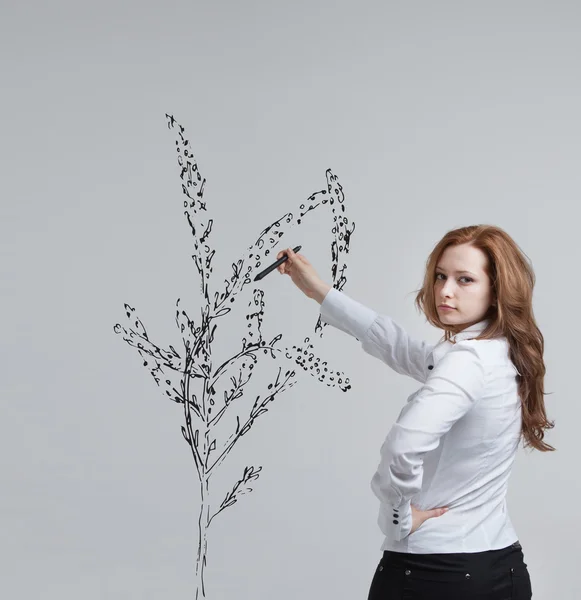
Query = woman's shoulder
x=493 y=352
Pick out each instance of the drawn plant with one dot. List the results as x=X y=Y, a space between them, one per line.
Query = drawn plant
x=207 y=393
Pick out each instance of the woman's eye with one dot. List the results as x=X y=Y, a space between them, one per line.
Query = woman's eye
x=468 y=279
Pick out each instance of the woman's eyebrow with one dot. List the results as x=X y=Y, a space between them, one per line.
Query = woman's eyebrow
x=470 y=272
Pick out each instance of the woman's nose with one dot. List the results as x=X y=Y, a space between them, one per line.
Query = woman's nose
x=448 y=289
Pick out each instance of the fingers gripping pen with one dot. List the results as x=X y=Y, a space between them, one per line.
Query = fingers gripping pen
x=274 y=265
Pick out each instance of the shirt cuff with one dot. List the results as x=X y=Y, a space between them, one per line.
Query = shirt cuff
x=346 y=314
x=395 y=521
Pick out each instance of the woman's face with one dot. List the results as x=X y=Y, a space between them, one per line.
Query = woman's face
x=462 y=283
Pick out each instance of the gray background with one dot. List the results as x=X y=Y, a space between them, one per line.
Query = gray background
x=433 y=115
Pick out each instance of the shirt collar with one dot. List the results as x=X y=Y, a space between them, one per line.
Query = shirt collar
x=471 y=332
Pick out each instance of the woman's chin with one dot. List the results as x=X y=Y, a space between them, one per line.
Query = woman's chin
x=446 y=313
x=448 y=316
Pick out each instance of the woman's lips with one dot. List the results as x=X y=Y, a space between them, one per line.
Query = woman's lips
x=442 y=307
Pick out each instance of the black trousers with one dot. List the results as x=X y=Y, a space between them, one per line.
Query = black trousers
x=491 y=575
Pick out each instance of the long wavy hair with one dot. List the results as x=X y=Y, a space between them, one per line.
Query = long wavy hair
x=513 y=280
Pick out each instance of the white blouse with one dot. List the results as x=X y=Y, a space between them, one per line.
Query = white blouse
x=454 y=441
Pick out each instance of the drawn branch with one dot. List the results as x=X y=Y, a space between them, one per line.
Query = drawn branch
x=258 y=408
x=192 y=438
x=240 y=488
x=166 y=367
x=314 y=366
x=193 y=185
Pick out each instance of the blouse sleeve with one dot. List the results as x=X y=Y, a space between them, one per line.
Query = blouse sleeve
x=380 y=335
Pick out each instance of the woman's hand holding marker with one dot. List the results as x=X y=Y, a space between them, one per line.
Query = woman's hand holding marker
x=303 y=275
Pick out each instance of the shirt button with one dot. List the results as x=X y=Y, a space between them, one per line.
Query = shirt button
x=467 y=575
x=395 y=522
x=430 y=367
x=408 y=572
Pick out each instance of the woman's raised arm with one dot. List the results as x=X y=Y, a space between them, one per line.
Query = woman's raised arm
x=380 y=335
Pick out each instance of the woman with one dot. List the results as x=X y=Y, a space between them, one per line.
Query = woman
x=445 y=464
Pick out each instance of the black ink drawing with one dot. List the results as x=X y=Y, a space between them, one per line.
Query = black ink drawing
x=208 y=393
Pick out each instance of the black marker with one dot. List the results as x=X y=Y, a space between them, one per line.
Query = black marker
x=274 y=265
